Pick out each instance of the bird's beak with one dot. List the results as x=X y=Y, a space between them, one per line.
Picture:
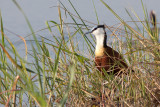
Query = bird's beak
x=88 y=32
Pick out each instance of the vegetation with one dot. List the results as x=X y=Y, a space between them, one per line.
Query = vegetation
x=63 y=75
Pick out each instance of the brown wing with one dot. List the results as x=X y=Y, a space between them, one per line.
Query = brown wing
x=116 y=57
x=112 y=61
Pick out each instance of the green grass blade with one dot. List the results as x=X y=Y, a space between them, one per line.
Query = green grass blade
x=95 y=11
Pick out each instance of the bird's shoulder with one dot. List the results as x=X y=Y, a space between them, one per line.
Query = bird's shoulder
x=111 y=51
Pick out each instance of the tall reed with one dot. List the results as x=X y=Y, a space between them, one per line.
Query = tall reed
x=63 y=72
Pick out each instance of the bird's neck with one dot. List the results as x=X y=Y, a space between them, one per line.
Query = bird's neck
x=100 y=45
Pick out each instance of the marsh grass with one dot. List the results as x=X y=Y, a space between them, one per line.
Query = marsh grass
x=63 y=71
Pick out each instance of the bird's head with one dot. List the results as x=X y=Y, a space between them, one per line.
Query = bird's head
x=100 y=34
x=97 y=30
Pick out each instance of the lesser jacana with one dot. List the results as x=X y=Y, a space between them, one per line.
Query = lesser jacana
x=106 y=58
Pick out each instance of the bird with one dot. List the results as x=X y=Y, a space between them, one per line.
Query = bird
x=106 y=58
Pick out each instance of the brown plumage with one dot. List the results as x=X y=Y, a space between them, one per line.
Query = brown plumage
x=106 y=58
x=111 y=61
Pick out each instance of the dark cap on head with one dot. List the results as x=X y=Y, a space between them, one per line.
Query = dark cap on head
x=96 y=27
x=99 y=26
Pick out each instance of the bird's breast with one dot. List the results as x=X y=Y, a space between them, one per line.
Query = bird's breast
x=99 y=52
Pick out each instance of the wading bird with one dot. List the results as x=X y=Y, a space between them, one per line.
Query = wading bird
x=106 y=58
